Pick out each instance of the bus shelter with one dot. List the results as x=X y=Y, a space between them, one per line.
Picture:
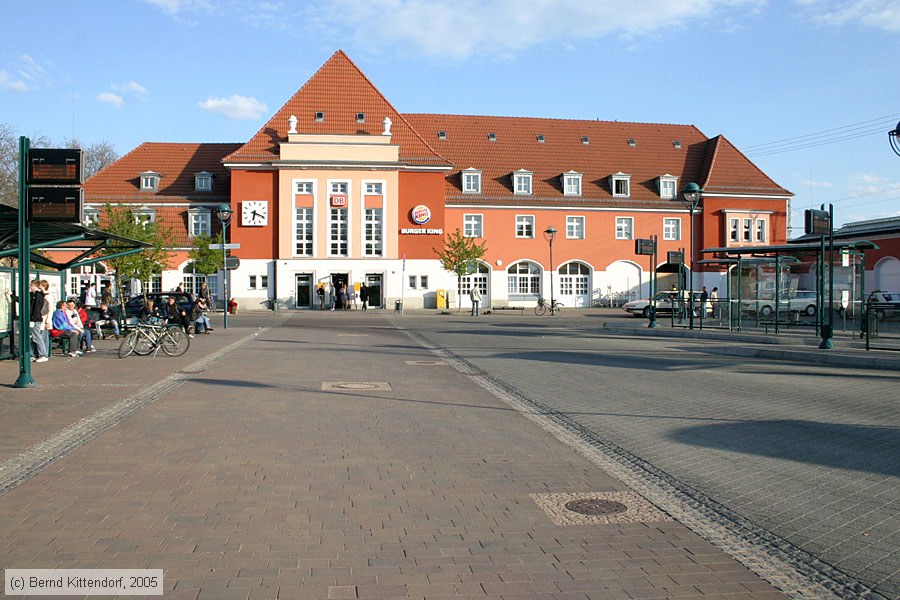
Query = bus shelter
x=789 y=285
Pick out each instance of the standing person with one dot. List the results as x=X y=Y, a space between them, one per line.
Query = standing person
x=345 y=299
x=330 y=291
x=106 y=294
x=704 y=301
x=475 y=295
x=179 y=288
x=320 y=292
x=90 y=297
x=364 y=295
x=47 y=323
x=203 y=293
x=38 y=316
x=714 y=299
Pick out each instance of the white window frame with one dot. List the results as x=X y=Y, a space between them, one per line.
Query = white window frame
x=620 y=178
x=203 y=181
x=373 y=228
x=473 y=225
x=522 y=182
x=199 y=222
x=90 y=216
x=734 y=225
x=253 y=282
x=304 y=231
x=471 y=181
x=423 y=282
x=150 y=181
x=747 y=229
x=574 y=279
x=304 y=188
x=338 y=231
x=572 y=183
x=668 y=187
x=339 y=187
x=144 y=215
x=624 y=228
x=524 y=278
x=525 y=226
x=373 y=188
x=671 y=228
x=263 y=282
x=762 y=231
x=574 y=227
x=411 y=282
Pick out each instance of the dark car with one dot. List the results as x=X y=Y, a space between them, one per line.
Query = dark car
x=134 y=304
x=885 y=304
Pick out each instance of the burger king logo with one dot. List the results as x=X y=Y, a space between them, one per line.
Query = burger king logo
x=421 y=214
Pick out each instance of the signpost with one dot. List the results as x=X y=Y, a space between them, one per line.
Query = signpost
x=647 y=247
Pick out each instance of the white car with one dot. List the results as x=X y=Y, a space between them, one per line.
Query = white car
x=801 y=301
x=664 y=304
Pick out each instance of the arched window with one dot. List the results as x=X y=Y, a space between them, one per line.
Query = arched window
x=191 y=280
x=524 y=279
x=574 y=279
x=479 y=277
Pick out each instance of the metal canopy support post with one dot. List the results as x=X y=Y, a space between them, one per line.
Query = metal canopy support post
x=25 y=379
x=828 y=330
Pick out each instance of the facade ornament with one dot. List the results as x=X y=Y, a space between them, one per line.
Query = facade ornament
x=387 y=126
x=292 y=121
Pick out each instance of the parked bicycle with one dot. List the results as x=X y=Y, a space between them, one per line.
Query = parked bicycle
x=542 y=306
x=148 y=338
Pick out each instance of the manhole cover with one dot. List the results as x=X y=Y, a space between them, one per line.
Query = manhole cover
x=356 y=385
x=595 y=506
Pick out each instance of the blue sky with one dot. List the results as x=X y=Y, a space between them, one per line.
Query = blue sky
x=821 y=74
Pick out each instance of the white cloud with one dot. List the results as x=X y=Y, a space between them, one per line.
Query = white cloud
x=113 y=99
x=10 y=84
x=236 y=107
x=878 y=14
x=174 y=7
x=461 y=28
x=131 y=86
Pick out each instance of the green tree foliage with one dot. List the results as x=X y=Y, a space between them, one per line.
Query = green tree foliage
x=206 y=261
x=122 y=221
x=460 y=256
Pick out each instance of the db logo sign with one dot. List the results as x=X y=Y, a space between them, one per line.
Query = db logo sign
x=421 y=214
x=339 y=200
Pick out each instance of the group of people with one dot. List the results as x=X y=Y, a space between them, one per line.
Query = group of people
x=341 y=297
x=194 y=319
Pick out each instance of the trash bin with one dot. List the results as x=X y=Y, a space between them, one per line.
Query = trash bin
x=398 y=306
x=442 y=299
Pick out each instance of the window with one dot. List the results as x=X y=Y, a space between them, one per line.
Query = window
x=473 y=226
x=574 y=228
x=572 y=183
x=761 y=230
x=668 y=187
x=149 y=181
x=621 y=185
x=360 y=117
x=264 y=282
x=524 y=278
x=143 y=216
x=374 y=188
x=471 y=180
x=203 y=182
x=193 y=280
x=199 y=222
x=522 y=182
x=492 y=137
x=624 y=228
x=412 y=282
x=574 y=279
x=373 y=244
x=540 y=138
x=91 y=217
x=340 y=187
x=303 y=243
x=671 y=229
x=320 y=116
x=253 y=282
x=733 y=229
x=339 y=232
x=748 y=223
x=478 y=278
x=423 y=282
x=585 y=140
x=524 y=226
x=442 y=135
x=304 y=187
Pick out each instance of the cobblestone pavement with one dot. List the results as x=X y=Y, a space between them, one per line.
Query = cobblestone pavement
x=322 y=457
x=807 y=453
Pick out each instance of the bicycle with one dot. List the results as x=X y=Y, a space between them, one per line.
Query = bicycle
x=147 y=338
x=542 y=305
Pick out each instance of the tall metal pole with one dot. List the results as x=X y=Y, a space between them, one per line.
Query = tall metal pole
x=225 y=273
x=25 y=379
x=549 y=234
x=691 y=275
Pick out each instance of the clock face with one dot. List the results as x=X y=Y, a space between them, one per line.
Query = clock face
x=254 y=213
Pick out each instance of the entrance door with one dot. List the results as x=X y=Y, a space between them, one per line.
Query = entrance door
x=373 y=280
x=304 y=290
x=338 y=281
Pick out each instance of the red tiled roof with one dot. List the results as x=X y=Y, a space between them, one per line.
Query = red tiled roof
x=340 y=91
x=727 y=171
x=175 y=162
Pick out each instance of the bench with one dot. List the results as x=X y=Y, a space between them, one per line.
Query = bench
x=521 y=309
x=61 y=342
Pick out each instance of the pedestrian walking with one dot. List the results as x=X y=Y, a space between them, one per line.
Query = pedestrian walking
x=475 y=295
x=320 y=293
x=364 y=295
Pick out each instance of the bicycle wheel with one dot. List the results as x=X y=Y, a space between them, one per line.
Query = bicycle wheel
x=144 y=343
x=175 y=342
x=540 y=310
x=126 y=347
x=557 y=308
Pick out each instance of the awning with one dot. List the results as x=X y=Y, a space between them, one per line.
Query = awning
x=85 y=241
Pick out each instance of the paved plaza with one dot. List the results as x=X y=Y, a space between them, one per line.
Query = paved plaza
x=311 y=455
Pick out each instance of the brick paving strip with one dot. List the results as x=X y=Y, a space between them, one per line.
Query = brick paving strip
x=790 y=569
x=28 y=463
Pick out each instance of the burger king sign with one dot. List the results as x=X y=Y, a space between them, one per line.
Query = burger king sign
x=420 y=214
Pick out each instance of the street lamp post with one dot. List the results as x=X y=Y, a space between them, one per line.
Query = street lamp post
x=690 y=197
x=894 y=137
x=549 y=235
x=224 y=212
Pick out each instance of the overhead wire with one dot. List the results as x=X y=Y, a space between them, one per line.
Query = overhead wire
x=834 y=135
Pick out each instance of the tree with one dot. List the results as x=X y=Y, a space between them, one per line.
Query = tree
x=207 y=261
x=94 y=156
x=9 y=163
x=122 y=221
x=460 y=256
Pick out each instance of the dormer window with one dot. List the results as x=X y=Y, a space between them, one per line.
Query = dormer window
x=522 y=182
x=442 y=135
x=585 y=140
x=360 y=117
x=540 y=138
x=631 y=142
x=492 y=137
x=668 y=187
x=620 y=183
x=471 y=181
x=90 y=216
x=150 y=181
x=677 y=144
x=203 y=181
x=320 y=116
x=571 y=183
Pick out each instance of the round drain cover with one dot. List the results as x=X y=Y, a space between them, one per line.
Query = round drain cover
x=596 y=506
x=357 y=386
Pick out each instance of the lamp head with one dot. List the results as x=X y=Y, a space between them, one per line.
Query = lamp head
x=224 y=212
x=549 y=234
x=691 y=195
x=894 y=137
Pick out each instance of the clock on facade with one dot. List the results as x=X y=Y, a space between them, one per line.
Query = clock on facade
x=254 y=213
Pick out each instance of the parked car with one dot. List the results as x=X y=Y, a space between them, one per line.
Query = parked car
x=134 y=304
x=885 y=304
x=800 y=301
x=665 y=301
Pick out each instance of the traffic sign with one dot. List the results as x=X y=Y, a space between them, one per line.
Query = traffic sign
x=232 y=262
x=224 y=246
